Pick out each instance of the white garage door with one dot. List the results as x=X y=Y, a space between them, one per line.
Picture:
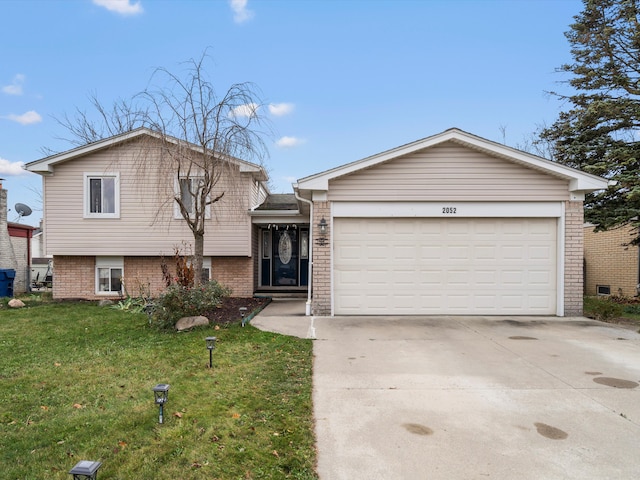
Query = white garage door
x=456 y=266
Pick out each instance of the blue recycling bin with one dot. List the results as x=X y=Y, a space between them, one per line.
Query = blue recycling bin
x=7 y=276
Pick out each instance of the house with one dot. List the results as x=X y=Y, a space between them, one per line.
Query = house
x=108 y=229
x=450 y=224
x=612 y=266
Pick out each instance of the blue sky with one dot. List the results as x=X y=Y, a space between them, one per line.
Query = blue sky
x=346 y=79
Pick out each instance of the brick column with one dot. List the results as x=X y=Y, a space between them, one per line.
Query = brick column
x=573 y=258
x=321 y=302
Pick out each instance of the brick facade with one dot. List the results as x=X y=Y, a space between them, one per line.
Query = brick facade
x=321 y=304
x=573 y=255
x=610 y=261
x=74 y=277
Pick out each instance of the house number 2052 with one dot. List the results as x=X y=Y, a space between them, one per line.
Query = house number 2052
x=449 y=210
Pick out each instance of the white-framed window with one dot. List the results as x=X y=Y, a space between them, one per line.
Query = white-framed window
x=188 y=190
x=101 y=195
x=206 y=269
x=109 y=274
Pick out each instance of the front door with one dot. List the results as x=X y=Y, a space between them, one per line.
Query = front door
x=284 y=256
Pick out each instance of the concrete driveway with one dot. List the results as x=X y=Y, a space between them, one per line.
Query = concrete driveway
x=471 y=397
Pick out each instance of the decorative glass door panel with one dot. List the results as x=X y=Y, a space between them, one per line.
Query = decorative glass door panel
x=284 y=246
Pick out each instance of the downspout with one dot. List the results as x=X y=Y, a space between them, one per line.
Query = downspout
x=308 y=304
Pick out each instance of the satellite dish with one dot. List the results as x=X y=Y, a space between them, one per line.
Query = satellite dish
x=23 y=210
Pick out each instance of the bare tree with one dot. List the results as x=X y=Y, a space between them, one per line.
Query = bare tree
x=187 y=113
x=204 y=140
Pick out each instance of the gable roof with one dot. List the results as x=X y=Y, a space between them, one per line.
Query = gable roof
x=578 y=181
x=46 y=165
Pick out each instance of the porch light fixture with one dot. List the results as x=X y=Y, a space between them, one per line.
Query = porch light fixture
x=85 y=470
x=243 y=312
x=322 y=226
x=161 y=395
x=211 y=345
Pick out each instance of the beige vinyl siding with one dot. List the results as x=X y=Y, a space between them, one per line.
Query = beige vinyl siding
x=448 y=172
x=143 y=228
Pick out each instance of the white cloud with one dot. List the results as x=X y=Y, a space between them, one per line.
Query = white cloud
x=240 y=11
x=26 y=118
x=289 y=142
x=16 y=86
x=248 y=110
x=11 y=168
x=123 y=7
x=280 y=109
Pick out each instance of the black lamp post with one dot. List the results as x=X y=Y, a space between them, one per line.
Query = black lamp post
x=85 y=470
x=161 y=395
x=211 y=345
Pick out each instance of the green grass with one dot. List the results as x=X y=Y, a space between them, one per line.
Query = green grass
x=76 y=380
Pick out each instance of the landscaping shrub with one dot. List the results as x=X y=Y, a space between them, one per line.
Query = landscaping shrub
x=603 y=309
x=179 y=301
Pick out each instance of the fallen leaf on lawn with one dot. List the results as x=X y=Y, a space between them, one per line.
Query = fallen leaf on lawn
x=276 y=434
x=217 y=327
x=122 y=443
x=44 y=407
x=196 y=465
x=235 y=415
x=57 y=364
x=77 y=405
x=275 y=454
x=177 y=414
x=60 y=442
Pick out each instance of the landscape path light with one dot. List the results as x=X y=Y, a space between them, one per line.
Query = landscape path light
x=211 y=345
x=161 y=395
x=243 y=312
x=85 y=470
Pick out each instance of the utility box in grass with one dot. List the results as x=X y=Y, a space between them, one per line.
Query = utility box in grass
x=7 y=276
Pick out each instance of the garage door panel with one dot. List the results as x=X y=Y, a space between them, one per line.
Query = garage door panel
x=445 y=266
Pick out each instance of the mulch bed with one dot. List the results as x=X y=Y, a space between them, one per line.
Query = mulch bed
x=229 y=310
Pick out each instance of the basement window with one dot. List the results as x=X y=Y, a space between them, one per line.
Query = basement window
x=109 y=273
x=603 y=289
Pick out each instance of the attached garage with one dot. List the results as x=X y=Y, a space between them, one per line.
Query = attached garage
x=456 y=266
x=448 y=225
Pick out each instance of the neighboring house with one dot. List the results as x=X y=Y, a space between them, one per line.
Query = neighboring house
x=15 y=246
x=612 y=266
x=450 y=224
x=21 y=241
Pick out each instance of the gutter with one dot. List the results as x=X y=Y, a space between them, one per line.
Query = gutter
x=308 y=304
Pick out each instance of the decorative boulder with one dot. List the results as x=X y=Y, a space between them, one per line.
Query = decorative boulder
x=185 y=323
x=105 y=302
x=15 y=303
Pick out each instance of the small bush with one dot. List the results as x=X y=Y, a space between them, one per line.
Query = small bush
x=603 y=309
x=179 y=301
x=632 y=309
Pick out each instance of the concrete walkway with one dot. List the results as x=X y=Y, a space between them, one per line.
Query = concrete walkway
x=470 y=397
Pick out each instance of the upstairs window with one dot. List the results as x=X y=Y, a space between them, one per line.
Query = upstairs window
x=189 y=191
x=102 y=196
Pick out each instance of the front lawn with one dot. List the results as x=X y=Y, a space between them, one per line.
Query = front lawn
x=76 y=384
